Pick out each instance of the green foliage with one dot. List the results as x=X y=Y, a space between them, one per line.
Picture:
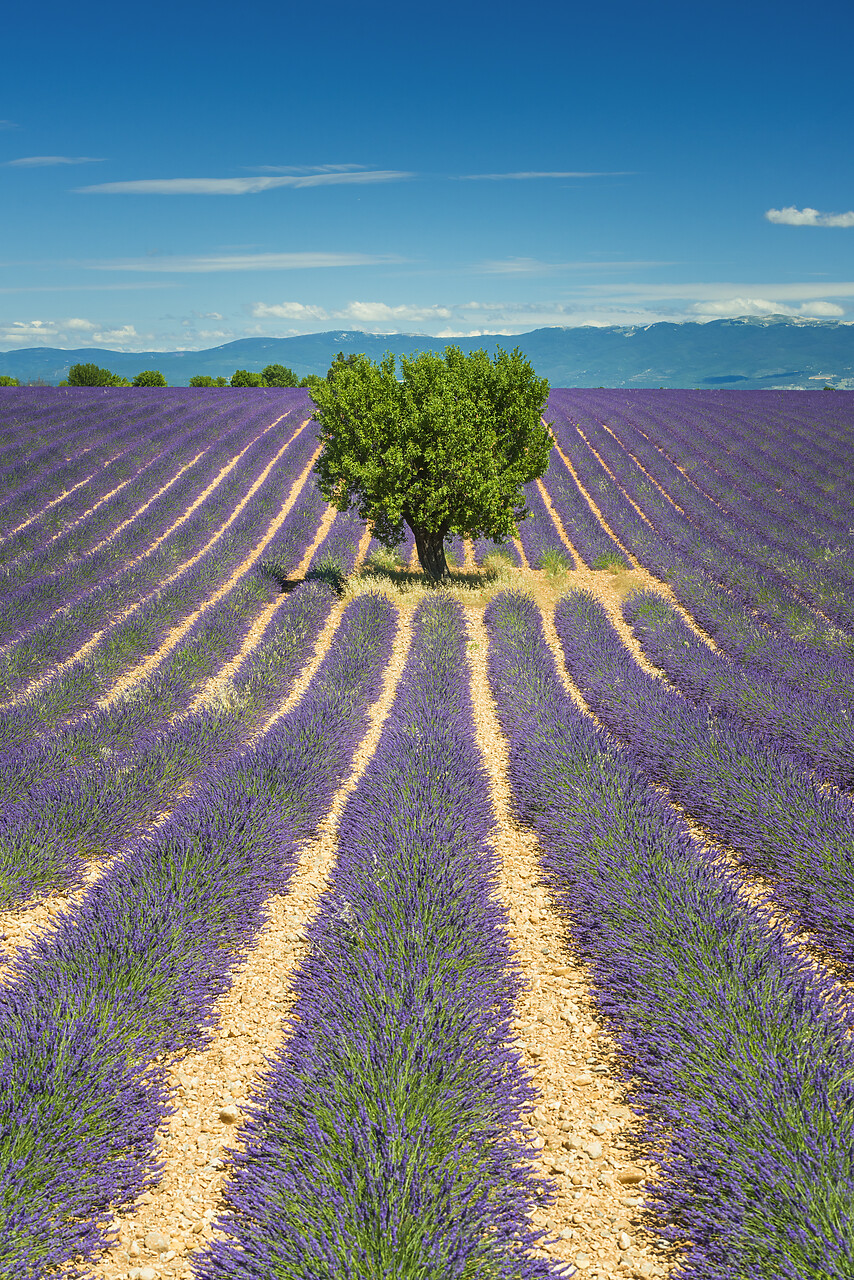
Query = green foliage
x=6 y=381
x=279 y=375
x=444 y=450
x=609 y=560
x=328 y=570
x=150 y=378
x=311 y=380
x=243 y=378
x=90 y=375
x=339 y=360
x=556 y=562
x=205 y=380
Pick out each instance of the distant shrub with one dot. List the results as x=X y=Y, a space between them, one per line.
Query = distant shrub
x=90 y=375
x=243 y=378
x=150 y=378
x=205 y=380
x=279 y=375
x=311 y=380
x=6 y=381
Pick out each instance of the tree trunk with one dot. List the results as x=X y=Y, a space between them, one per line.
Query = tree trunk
x=431 y=552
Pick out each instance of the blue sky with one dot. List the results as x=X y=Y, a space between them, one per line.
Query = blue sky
x=176 y=176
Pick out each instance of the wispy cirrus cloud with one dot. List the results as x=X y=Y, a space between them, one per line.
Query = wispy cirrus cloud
x=243 y=262
x=807 y=217
x=307 y=168
x=564 y=173
x=535 y=267
x=9 y=124
x=241 y=186
x=42 y=162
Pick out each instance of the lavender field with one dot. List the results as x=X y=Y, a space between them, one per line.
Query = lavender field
x=353 y=930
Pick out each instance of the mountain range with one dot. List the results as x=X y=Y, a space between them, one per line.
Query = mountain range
x=743 y=353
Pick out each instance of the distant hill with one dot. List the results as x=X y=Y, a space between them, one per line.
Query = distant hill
x=775 y=351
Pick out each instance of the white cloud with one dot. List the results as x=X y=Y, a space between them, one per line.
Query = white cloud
x=39 y=162
x=694 y=291
x=287 y=311
x=816 y=309
x=71 y=332
x=238 y=186
x=243 y=262
x=357 y=313
x=570 y=173
x=535 y=267
x=306 y=168
x=806 y=217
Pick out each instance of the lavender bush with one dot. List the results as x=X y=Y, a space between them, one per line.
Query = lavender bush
x=384 y=1142
x=734 y=1050
x=94 y=1013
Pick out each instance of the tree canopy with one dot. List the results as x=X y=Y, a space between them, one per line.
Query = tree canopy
x=90 y=375
x=244 y=378
x=150 y=378
x=205 y=380
x=445 y=449
x=7 y=381
x=279 y=375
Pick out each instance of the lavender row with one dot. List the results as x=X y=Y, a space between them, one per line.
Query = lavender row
x=75 y=454
x=486 y=547
x=34 y=601
x=47 y=840
x=537 y=533
x=778 y=550
x=724 y=499
x=742 y=787
x=820 y=729
x=733 y=1049
x=338 y=550
x=147 y=585
x=40 y=498
x=384 y=1143
x=131 y=720
x=83 y=682
x=736 y=561
x=90 y=516
x=697 y=587
x=591 y=541
x=739 y=439
x=69 y=528
x=783 y=433
x=733 y=468
x=31 y=466
x=129 y=979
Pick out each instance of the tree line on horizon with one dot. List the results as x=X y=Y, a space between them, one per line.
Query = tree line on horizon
x=274 y=375
x=91 y=375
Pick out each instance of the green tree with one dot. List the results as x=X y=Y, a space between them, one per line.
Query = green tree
x=89 y=375
x=311 y=380
x=279 y=375
x=150 y=378
x=341 y=359
x=205 y=380
x=6 y=381
x=445 y=449
x=243 y=378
